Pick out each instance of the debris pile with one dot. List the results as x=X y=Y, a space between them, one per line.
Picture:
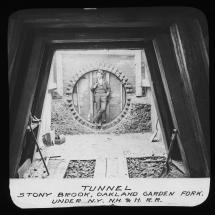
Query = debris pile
x=62 y=120
x=137 y=119
x=151 y=167
x=80 y=169
x=36 y=170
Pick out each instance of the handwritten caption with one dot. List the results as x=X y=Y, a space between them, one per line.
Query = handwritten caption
x=100 y=195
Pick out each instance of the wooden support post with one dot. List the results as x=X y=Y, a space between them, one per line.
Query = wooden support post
x=23 y=108
x=45 y=125
x=91 y=98
x=180 y=108
x=138 y=73
x=108 y=105
x=59 y=73
x=154 y=116
x=192 y=60
x=159 y=96
x=164 y=68
x=42 y=99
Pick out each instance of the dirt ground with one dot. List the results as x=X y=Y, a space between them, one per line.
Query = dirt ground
x=80 y=169
x=103 y=155
x=152 y=167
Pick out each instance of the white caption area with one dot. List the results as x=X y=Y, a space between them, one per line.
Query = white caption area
x=29 y=193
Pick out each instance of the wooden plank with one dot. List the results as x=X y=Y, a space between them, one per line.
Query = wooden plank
x=106 y=51
x=59 y=73
x=203 y=46
x=112 y=167
x=78 y=98
x=123 y=168
x=16 y=62
x=97 y=45
x=91 y=97
x=108 y=105
x=102 y=36
x=159 y=97
x=84 y=96
x=117 y=167
x=138 y=73
x=40 y=95
x=14 y=50
x=179 y=106
x=45 y=125
x=100 y=168
x=194 y=70
x=149 y=93
x=112 y=17
x=121 y=97
x=93 y=80
x=170 y=97
x=115 y=99
x=194 y=74
x=24 y=167
x=60 y=171
x=75 y=97
x=21 y=118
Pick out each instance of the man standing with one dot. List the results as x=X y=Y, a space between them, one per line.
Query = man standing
x=101 y=91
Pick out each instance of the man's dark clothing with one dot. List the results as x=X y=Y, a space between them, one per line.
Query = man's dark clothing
x=101 y=99
x=100 y=89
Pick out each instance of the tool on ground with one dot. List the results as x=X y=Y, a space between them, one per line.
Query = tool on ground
x=35 y=140
x=57 y=156
x=166 y=167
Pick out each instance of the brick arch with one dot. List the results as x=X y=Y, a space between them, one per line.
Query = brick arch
x=90 y=68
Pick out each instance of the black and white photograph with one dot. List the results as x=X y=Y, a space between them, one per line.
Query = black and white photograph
x=109 y=106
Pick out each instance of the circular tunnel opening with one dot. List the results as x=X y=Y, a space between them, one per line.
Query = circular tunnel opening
x=87 y=103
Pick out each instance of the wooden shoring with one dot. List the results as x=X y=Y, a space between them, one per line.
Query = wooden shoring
x=27 y=73
x=180 y=97
x=193 y=67
x=18 y=123
x=158 y=93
